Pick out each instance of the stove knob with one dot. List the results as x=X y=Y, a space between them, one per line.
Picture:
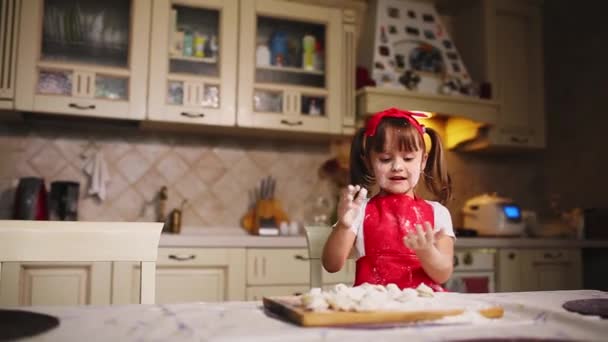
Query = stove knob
x=468 y=259
x=456 y=261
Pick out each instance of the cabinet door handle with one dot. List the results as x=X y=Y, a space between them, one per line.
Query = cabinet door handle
x=77 y=106
x=519 y=140
x=551 y=263
x=292 y=123
x=181 y=257
x=552 y=256
x=193 y=115
x=300 y=257
x=264 y=266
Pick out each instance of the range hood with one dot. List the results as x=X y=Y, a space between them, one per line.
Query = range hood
x=374 y=99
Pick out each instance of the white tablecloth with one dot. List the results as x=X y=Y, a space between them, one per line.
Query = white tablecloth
x=527 y=314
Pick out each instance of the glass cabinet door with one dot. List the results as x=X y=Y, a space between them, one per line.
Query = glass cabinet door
x=288 y=56
x=193 y=60
x=91 y=58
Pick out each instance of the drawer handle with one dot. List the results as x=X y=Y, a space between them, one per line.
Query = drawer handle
x=299 y=257
x=182 y=257
x=193 y=115
x=551 y=263
x=519 y=140
x=77 y=106
x=292 y=123
x=553 y=256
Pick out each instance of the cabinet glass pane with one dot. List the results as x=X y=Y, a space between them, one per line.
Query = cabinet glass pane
x=55 y=82
x=92 y=32
x=290 y=52
x=313 y=105
x=268 y=101
x=175 y=93
x=211 y=96
x=193 y=41
x=110 y=87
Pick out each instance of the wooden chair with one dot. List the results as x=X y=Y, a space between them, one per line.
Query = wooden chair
x=41 y=241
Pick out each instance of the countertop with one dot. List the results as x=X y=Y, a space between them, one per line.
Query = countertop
x=228 y=237
x=527 y=314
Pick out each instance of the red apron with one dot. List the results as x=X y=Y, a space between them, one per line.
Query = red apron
x=387 y=260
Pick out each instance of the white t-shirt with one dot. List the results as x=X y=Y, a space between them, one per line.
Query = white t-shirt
x=442 y=219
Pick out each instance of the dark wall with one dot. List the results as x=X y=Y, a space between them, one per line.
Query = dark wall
x=575 y=163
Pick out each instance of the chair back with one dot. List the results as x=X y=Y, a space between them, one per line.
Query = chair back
x=41 y=241
x=315 y=238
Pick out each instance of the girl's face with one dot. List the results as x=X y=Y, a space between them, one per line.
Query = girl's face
x=397 y=170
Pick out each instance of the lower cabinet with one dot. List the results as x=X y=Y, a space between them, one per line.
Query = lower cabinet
x=186 y=275
x=539 y=269
x=286 y=272
x=55 y=283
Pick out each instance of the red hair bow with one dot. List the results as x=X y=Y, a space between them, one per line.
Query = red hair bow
x=372 y=123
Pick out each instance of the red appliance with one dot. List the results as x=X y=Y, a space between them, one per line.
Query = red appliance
x=30 y=200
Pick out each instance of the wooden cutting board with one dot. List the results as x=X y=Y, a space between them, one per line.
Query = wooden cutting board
x=290 y=309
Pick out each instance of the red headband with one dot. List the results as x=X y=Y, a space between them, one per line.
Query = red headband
x=372 y=123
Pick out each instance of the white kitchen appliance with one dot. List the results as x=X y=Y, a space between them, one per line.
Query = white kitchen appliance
x=492 y=215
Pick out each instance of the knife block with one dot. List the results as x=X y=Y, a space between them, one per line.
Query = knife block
x=267 y=213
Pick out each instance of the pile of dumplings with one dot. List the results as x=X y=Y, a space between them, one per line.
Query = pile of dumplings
x=367 y=297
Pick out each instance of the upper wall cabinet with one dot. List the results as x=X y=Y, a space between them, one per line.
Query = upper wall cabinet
x=9 y=19
x=290 y=71
x=84 y=57
x=193 y=62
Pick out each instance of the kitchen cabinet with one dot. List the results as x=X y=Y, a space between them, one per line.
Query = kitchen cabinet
x=193 y=62
x=55 y=283
x=9 y=22
x=539 y=269
x=286 y=271
x=291 y=71
x=506 y=50
x=552 y=269
x=186 y=275
x=84 y=57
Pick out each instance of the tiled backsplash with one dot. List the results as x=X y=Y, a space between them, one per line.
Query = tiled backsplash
x=213 y=173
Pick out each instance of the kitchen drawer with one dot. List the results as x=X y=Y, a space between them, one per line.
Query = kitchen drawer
x=259 y=292
x=554 y=256
x=277 y=266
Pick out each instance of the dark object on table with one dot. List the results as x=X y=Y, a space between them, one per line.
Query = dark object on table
x=589 y=307
x=16 y=324
x=465 y=232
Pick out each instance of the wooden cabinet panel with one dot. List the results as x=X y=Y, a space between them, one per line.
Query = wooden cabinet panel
x=186 y=274
x=279 y=90
x=277 y=266
x=259 y=292
x=194 y=87
x=70 y=67
x=539 y=269
x=55 y=283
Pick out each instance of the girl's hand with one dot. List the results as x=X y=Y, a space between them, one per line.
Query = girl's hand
x=423 y=240
x=348 y=207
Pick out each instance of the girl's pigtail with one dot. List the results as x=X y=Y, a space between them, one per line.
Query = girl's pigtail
x=359 y=173
x=436 y=176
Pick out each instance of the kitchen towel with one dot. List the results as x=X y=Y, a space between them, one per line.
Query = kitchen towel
x=97 y=170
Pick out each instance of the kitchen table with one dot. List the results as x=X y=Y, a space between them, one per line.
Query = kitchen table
x=527 y=314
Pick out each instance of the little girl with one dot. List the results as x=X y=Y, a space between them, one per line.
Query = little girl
x=399 y=237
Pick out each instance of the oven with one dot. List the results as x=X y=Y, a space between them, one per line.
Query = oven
x=474 y=271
